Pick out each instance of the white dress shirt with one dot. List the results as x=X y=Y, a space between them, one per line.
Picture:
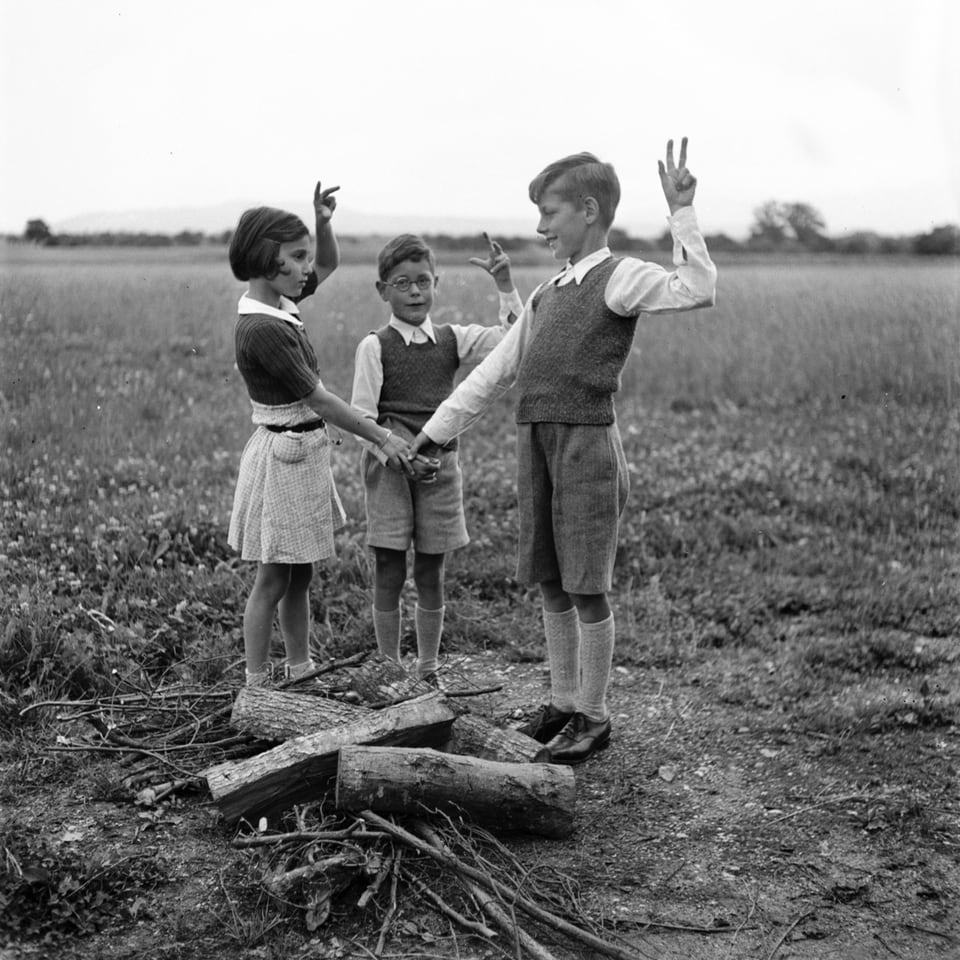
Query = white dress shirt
x=635 y=287
x=475 y=341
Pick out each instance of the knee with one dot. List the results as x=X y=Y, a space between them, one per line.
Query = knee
x=391 y=569
x=271 y=583
x=592 y=607
x=428 y=571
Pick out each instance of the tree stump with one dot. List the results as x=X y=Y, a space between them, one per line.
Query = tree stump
x=511 y=797
x=303 y=768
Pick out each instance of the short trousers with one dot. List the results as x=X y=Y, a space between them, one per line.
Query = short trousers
x=572 y=487
x=402 y=513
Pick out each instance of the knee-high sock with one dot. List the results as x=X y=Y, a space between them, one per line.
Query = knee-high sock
x=386 y=628
x=596 y=656
x=562 y=631
x=429 y=631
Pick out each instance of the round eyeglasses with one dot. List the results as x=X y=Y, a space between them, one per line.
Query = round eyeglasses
x=403 y=283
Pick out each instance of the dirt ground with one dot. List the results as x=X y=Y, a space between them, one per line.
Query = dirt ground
x=713 y=827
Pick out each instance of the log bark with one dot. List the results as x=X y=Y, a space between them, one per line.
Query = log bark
x=380 y=681
x=472 y=736
x=302 y=769
x=535 y=798
x=277 y=715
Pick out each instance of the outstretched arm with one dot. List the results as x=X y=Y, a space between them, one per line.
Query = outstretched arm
x=679 y=184
x=326 y=256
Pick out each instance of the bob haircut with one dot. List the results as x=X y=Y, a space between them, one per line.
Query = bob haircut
x=578 y=176
x=407 y=246
x=255 y=243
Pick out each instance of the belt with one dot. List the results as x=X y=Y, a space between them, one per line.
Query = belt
x=297 y=427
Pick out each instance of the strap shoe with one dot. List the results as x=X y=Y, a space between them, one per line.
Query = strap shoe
x=579 y=739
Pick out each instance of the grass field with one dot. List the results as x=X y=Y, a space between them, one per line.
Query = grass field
x=795 y=487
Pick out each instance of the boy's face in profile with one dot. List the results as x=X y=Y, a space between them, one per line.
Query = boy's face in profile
x=412 y=305
x=563 y=224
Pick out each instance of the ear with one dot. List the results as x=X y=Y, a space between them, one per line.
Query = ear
x=382 y=290
x=591 y=209
x=436 y=281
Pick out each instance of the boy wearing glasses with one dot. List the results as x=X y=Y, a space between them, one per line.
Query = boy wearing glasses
x=403 y=372
x=565 y=354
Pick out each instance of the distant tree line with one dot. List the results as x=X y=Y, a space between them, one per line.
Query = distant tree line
x=777 y=228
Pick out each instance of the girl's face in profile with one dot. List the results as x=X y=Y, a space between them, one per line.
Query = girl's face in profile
x=295 y=259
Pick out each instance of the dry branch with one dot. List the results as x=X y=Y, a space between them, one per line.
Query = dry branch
x=506 y=893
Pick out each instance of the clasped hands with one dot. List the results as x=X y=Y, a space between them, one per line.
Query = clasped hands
x=405 y=458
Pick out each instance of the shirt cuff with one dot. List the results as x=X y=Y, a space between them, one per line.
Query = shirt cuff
x=510 y=303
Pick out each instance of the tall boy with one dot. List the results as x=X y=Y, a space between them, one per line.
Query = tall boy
x=565 y=354
x=403 y=371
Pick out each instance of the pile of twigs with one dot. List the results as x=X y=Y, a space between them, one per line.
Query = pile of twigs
x=164 y=737
x=460 y=872
x=339 y=864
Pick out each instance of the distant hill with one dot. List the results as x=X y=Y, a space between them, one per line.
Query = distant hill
x=223 y=216
x=216 y=218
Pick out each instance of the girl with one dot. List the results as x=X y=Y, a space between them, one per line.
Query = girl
x=285 y=508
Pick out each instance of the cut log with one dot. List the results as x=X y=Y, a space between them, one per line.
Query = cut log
x=472 y=736
x=512 y=797
x=302 y=769
x=380 y=681
x=277 y=715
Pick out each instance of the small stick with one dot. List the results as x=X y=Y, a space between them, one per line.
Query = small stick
x=787 y=932
x=305 y=836
x=377 y=881
x=478 y=928
x=846 y=798
x=392 y=909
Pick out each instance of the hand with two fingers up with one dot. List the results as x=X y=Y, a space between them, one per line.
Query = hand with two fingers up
x=324 y=203
x=496 y=263
x=679 y=184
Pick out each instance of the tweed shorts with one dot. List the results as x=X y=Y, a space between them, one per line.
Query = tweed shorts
x=572 y=486
x=402 y=513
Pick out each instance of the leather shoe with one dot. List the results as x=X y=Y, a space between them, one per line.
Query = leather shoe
x=579 y=739
x=546 y=723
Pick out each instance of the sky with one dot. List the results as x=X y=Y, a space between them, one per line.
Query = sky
x=450 y=107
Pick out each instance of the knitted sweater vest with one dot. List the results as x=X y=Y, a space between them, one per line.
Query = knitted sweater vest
x=577 y=349
x=416 y=378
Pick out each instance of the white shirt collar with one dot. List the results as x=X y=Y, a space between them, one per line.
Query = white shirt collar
x=575 y=272
x=288 y=309
x=409 y=330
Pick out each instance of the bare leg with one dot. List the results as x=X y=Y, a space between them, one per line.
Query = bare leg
x=268 y=588
x=294 y=609
x=390 y=572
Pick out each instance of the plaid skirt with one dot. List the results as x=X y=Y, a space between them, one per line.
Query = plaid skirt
x=286 y=508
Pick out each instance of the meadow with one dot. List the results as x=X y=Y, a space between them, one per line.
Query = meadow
x=791 y=536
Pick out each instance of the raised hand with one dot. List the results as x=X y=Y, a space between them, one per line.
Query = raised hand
x=496 y=263
x=679 y=184
x=324 y=203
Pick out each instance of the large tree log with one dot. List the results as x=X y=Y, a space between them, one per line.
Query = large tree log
x=514 y=797
x=380 y=681
x=277 y=715
x=473 y=736
x=303 y=768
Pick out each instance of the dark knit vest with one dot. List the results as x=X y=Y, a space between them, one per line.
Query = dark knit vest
x=416 y=378
x=577 y=349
